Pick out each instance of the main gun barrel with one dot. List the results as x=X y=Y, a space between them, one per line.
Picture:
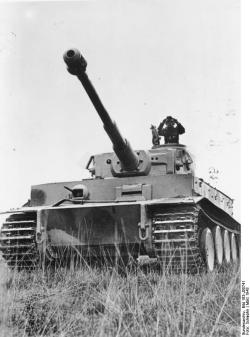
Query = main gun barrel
x=77 y=66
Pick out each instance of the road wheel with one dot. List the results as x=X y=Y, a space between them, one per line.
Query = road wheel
x=207 y=248
x=227 y=249
x=218 y=245
x=234 y=248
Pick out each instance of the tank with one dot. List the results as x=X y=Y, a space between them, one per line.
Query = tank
x=136 y=205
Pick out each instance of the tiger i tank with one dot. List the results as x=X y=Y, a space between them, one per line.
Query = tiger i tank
x=136 y=204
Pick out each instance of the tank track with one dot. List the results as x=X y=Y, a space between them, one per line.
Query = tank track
x=176 y=233
x=175 y=237
x=17 y=240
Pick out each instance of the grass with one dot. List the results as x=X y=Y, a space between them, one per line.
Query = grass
x=103 y=302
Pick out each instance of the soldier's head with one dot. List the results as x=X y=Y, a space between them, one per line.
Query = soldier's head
x=170 y=121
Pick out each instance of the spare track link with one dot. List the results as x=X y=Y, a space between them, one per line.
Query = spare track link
x=175 y=238
x=17 y=241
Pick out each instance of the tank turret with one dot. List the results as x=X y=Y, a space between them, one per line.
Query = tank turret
x=127 y=162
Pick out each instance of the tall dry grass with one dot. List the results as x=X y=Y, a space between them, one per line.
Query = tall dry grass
x=101 y=301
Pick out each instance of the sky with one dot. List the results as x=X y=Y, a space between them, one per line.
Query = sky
x=147 y=60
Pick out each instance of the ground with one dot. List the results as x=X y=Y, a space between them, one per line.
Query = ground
x=101 y=301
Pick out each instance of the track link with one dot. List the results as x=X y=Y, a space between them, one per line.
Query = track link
x=175 y=237
x=17 y=240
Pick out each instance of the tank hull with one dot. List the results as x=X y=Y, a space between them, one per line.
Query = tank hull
x=168 y=229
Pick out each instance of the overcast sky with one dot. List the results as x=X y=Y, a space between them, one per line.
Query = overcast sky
x=147 y=60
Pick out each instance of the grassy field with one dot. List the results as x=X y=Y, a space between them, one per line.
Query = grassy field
x=104 y=302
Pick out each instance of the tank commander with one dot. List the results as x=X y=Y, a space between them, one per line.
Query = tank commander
x=170 y=129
